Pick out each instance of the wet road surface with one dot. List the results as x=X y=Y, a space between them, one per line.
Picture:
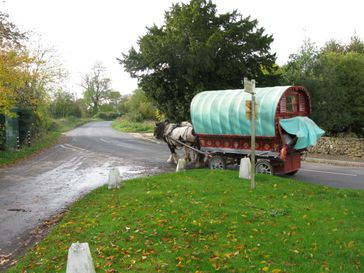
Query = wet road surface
x=45 y=184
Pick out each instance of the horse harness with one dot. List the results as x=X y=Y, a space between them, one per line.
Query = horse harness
x=168 y=139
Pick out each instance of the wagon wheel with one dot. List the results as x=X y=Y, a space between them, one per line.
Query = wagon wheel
x=217 y=162
x=264 y=166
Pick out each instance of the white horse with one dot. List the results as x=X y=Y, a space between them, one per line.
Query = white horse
x=170 y=132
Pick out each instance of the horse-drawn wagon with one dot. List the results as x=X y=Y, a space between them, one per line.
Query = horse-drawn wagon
x=283 y=130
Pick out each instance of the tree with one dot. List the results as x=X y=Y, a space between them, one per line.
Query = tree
x=96 y=87
x=47 y=71
x=27 y=76
x=13 y=76
x=45 y=75
x=339 y=92
x=139 y=104
x=196 y=49
x=334 y=75
x=13 y=64
x=113 y=98
x=10 y=36
x=355 y=45
x=299 y=68
x=62 y=104
x=333 y=46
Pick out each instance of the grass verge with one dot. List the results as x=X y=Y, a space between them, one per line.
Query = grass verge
x=59 y=126
x=204 y=221
x=125 y=125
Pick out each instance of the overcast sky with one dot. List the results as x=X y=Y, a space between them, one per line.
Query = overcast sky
x=86 y=31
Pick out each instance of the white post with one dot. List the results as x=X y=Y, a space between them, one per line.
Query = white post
x=115 y=179
x=245 y=168
x=181 y=165
x=79 y=259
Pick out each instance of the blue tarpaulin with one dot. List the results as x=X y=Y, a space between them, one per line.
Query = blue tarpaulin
x=304 y=128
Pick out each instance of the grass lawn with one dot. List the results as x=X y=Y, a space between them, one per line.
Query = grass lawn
x=207 y=221
x=60 y=126
x=125 y=125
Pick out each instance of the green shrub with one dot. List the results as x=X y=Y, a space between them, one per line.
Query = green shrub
x=134 y=117
x=107 y=115
x=126 y=125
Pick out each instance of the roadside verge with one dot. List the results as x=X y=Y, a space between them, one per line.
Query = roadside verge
x=51 y=138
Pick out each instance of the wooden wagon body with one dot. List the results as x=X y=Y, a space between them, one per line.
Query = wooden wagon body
x=221 y=122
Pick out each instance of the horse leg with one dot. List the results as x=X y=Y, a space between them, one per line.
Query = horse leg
x=170 y=159
x=173 y=157
x=187 y=154
x=194 y=156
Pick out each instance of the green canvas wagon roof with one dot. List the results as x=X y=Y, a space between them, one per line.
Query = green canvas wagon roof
x=223 y=112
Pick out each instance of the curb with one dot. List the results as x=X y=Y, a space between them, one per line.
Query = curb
x=334 y=162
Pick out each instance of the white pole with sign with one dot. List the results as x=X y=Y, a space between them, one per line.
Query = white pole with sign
x=249 y=87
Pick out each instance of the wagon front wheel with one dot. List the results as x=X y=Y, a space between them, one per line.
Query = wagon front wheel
x=264 y=166
x=217 y=162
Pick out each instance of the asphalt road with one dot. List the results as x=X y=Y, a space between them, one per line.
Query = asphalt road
x=45 y=184
x=332 y=175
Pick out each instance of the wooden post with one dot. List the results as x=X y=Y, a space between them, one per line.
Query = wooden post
x=252 y=184
x=249 y=87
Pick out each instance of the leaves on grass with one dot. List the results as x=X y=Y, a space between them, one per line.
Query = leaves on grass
x=204 y=221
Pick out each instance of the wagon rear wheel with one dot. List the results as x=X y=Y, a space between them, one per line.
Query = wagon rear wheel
x=264 y=166
x=217 y=162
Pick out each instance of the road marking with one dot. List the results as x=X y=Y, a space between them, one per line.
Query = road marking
x=103 y=140
x=314 y=171
x=76 y=147
x=73 y=148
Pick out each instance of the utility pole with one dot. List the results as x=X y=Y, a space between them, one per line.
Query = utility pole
x=249 y=87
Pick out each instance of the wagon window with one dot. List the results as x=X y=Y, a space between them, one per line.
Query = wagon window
x=292 y=104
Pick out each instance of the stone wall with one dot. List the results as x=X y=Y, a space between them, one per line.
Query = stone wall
x=349 y=147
